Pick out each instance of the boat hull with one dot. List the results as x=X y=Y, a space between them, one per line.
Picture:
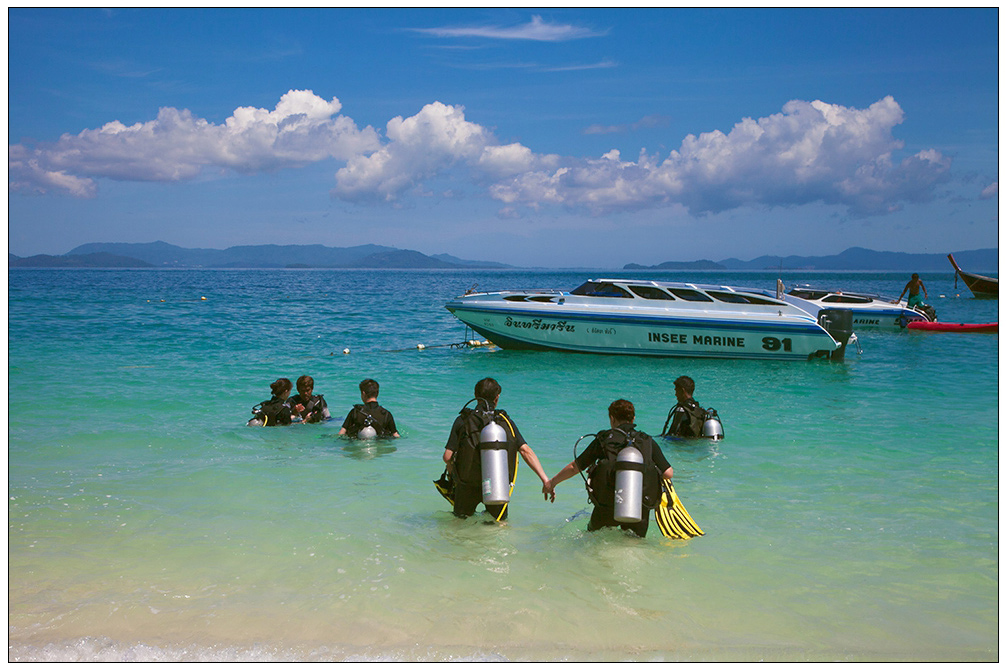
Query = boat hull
x=645 y=335
x=981 y=286
x=893 y=319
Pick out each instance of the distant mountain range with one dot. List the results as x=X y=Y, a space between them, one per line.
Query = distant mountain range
x=855 y=258
x=162 y=254
x=96 y=260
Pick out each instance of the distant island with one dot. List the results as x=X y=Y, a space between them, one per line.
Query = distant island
x=164 y=255
x=854 y=258
x=293 y=256
x=96 y=260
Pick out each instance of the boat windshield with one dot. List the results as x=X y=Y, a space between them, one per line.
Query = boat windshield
x=847 y=299
x=601 y=289
x=807 y=294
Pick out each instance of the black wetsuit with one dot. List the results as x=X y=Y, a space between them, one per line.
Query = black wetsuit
x=603 y=515
x=381 y=419
x=468 y=494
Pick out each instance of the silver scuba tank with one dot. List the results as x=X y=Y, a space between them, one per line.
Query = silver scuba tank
x=712 y=427
x=367 y=433
x=495 y=464
x=629 y=486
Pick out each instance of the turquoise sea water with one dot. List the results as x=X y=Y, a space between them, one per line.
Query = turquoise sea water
x=851 y=513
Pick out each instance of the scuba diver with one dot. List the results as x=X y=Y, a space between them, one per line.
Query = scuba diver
x=369 y=420
x=311 y=408
x=687 y=418
x=481 y=456
x=622 y=449
x=276 y=411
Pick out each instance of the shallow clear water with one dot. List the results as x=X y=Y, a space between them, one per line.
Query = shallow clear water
x=850 y=514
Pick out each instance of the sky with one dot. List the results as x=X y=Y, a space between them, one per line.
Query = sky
x=552 y=137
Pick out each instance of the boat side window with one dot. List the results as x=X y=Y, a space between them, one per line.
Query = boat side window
x=650 y=293
x=725 y=296
x=847 y=299
x=601 y=289
x=722 y=296
x=690 y=295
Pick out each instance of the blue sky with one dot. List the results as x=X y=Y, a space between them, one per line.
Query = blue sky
x=559 y=137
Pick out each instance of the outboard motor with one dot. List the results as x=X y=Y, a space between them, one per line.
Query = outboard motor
x=629 y=486
x=712 y=427
x=367 y=433
x=495 y=464
x=838 y=323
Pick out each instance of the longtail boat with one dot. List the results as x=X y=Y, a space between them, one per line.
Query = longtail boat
x=981 y=286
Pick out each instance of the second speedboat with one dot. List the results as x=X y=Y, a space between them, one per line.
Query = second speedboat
x=653 y=318
x=869 y=310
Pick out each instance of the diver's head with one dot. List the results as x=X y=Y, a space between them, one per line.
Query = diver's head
x=488 y=389
x=281 y=387
x=621 y=411
x=684 y=387
x=369 y=389
x=305 y=385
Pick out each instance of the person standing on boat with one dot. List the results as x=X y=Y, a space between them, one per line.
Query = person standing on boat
x=370 y=413
x=461 y=454
x=912 y=287
x=598 y=460
x=685 y=418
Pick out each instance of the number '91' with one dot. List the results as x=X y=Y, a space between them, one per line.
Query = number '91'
x=774 y=344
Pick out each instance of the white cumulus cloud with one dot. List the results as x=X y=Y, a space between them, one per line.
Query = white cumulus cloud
x=302 y=129
x=432 y=142
x=810 y=152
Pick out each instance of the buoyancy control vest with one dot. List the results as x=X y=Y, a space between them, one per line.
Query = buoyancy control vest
x=467 y=458
x=694 y=417
x=316 y=406
x=273 y=412
x=601 y=475
x=374 y=417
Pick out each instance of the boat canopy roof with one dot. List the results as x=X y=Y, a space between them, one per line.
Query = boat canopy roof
x=654 y=290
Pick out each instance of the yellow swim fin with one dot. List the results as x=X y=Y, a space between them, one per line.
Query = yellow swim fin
x=679 y=512
x=445 y=487
x=671 y=516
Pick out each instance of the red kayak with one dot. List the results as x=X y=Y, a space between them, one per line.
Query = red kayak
x=936 y=326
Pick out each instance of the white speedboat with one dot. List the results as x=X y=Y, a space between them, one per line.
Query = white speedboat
x=654 y=318
x=869 y=310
